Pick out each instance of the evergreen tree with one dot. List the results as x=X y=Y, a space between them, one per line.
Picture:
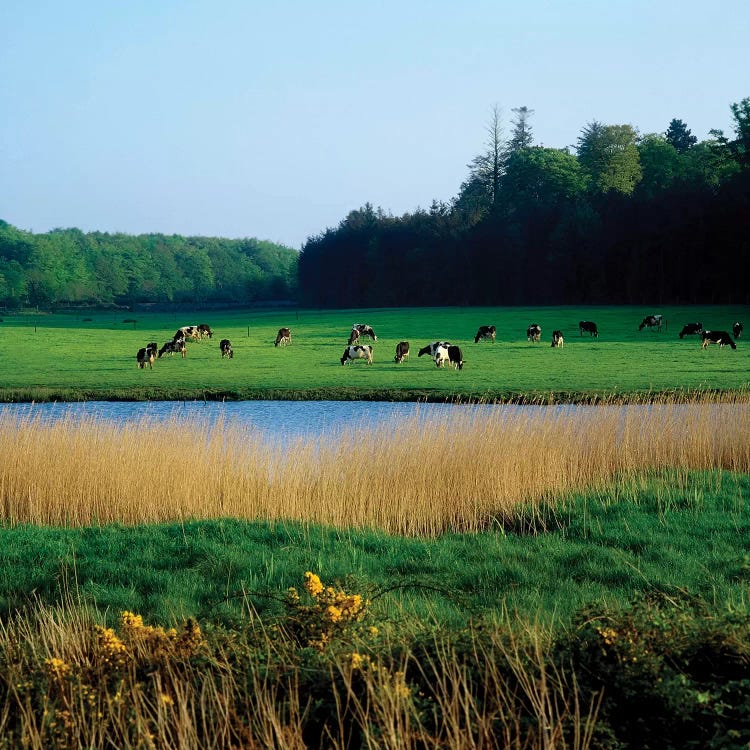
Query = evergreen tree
x=679 y=136
x=521 y=137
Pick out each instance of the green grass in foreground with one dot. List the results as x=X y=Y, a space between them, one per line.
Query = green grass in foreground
x=659 y=534
x=72 y=357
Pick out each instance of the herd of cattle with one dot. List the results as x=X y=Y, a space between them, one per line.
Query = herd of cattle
x=177 y=345
x=441 y=352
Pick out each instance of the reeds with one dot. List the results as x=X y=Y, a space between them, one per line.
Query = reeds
x=420 y=476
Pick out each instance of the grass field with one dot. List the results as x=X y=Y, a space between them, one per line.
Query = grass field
x=544 y=582
x=64 y=357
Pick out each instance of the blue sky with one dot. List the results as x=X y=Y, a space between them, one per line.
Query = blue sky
x=275 y=119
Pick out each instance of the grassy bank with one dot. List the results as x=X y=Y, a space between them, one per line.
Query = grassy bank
x=669 y=532
x=68 y=357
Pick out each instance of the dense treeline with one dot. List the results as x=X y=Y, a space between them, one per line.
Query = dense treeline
x=68 y=267
x=626 y=219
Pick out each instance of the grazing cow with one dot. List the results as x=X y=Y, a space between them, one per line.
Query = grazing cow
x=361 y=329
x=485 y=332
x=737 y=329
x=188 y=332
x=651 y=321
x=441 y=356
x=205 y=330
x=589 y=327
x=432 y=348
x=722 y=338
x=534 y=332
x=557 y=339
x=357 y=351
x=402 y=351
x=283 y=337
x=690 y=329
x=147 y=355
x=174 y=346
x=456 y=357
x=226 y=349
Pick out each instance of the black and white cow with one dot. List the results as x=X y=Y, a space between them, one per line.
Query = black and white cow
x=590 y=328
x=534 y=332
x=226 y=349
x=205 y=330
x=441 y=356
x=737 y=329
x=432 y=348
x=283 y=337
x=486 y=332
x=402 y=351
x=691 y=329
x=557 y=339
x=456 y=357
x=147 y=355
x=175 y=346
x=357 y=351
x=361 y=329
x=651 y=321
x=722 y=338
x=188 y=332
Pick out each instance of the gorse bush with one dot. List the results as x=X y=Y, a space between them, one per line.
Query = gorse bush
x=673 y=671
x=666 y=672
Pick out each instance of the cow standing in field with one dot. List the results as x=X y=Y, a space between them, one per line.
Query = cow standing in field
x=557 y=339
x=283 y=337
x=534 y=332
x=737 y=329
x=205 y=330
x=456 y=357
x=430 y=349
x=691 y=329
x=357 y=351
x=188 y=332
x=402 y=351
x=361 y=329
x=484 y=333
x=651 y=321
x=226 y=349
x=174 y=346
x=590 y=328
x=147 y=355
x=722 y=338
x=441 y=356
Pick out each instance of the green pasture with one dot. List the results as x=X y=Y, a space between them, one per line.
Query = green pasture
x=657 y=534
x=92 y=355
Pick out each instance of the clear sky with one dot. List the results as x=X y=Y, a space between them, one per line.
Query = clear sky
x=274 y=119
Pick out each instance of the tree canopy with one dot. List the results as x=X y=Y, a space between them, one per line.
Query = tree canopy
x=627 y=219
x=68 y=267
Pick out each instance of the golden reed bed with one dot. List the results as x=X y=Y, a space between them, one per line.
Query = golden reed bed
x=414 y=478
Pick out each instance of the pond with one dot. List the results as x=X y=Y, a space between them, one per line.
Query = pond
x=284 y=422
x=275 y=421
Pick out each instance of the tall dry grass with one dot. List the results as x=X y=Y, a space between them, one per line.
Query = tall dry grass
x=417 y=477
x=60 y=689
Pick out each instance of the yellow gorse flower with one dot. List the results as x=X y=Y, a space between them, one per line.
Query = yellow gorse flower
x=313 y=584
x=112 y=650
x=57 y=668
x=333 y=613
